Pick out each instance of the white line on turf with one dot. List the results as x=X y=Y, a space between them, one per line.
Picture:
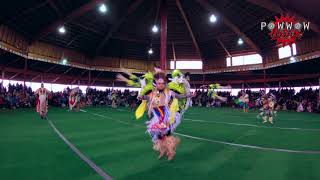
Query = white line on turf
x=237 y=124
x=230 y=144
x=250 y=125
x=251 y=146
x=248 y=117
x=95 y=167
x=254 y=116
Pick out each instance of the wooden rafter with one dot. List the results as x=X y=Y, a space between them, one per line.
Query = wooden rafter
x=26 y=11
x=116 y=26
x=72 y=40
x=95 y=79
x=13 y=61
x=74 y=14
x=56 y=9
x=205 y=4
x=225 y=49
x=186 y=21
x=79 y=77
x=56 y=79
x=15 y=75
x=48 y=70
x=87 y=28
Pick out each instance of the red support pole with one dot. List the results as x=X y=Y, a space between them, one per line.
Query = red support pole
x=163 y=42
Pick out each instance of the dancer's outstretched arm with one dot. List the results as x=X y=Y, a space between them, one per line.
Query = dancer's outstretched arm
x=182 y=96
x=144 y=97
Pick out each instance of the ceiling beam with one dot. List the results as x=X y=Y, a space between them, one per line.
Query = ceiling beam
x=79 y=77
x=13 y=61
x=267 y=4
x=48 y=70
x=56 y=9
x=72 y=40
x=15 y=75
x=116 y=26
x=56 y=79
x=184 y=17
x=205 y=4
x=87 y=28
x=95 y=79
x=225 y=49
x=123 y=38
x=74 y=14
x=273 y=6
x=25 y=12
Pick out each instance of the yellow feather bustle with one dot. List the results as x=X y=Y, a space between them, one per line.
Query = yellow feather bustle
x=173 y=109
x=141 y=109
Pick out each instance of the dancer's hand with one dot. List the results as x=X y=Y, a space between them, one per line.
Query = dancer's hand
x=191 y=95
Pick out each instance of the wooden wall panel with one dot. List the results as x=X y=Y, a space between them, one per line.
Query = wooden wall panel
x=45 y=50
x=141 y=65
x=75 y=56
x=152 y=64
x=133 y=64
x=56 y=53
x=11 y=38
x=271 y=56
x=216 y=63
x=308 y=45
x=106 y=62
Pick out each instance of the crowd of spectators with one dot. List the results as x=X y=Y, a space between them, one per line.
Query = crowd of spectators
x=18 y=96
x=286 y=99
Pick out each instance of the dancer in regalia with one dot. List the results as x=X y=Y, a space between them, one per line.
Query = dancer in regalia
x=267 y=111
x=179 y=84
x=161 y=103
x=243 y=101
x=133 y=100
x=42 y=101
x=114 y=97
x=74 y=100
x=212 y=91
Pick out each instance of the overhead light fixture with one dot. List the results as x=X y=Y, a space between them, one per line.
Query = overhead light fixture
x=155 y=28
x=150 y=51
x=64 y=61
x=240 y=41
x=103 y=8
x=213 y=18
x=62 y=30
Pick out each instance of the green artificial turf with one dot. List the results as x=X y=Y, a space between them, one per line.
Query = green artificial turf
x=115 y=141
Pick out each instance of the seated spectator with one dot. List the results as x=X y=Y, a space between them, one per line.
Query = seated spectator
x=300 y=107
